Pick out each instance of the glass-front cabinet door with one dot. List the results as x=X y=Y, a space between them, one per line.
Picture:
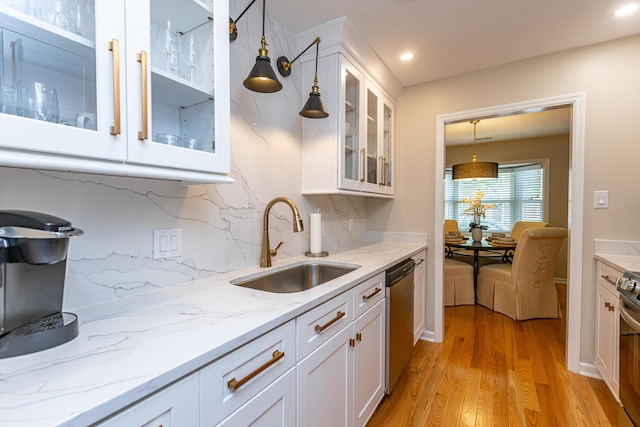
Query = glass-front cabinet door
x=122 y=81
x=386 y=156
x=353 y=152
x=172 y=101
x=371 y=147
x=50 y=77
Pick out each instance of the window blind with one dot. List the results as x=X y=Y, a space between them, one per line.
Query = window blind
x=517 y=193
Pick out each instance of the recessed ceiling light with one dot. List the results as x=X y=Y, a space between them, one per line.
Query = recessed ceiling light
x=407 y=56
x=626 y=10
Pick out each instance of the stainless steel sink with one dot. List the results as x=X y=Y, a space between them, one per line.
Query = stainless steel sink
x=296 y=277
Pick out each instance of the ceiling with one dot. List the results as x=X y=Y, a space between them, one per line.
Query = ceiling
x=513 y=127
x=452 y=37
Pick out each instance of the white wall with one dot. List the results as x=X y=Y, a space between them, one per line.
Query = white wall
x=221 y=224
x=607 y=73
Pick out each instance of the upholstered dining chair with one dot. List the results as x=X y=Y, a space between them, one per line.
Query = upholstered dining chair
x=450 y=225
x=458 y=276
x=458 y=283
x=520 y=226
x=525 y=289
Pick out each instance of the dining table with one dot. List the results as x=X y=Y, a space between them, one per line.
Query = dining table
x=485 y=248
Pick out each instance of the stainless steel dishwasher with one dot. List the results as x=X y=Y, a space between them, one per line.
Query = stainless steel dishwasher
x=399 y=320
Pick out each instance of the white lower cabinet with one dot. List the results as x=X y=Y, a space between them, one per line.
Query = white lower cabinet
x=419 y=296
x=174 y=406
x=369 y=363
x=325 y=384
x=342 y=381
x=607 y=326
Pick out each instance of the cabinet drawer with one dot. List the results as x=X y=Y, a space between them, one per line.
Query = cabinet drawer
x=177 y=405
x=273 y=406
x=231 y=381
x=367 y=294
x=607 y=276
x=318 y=325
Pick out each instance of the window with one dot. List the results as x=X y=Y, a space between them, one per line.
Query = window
x=517 y=193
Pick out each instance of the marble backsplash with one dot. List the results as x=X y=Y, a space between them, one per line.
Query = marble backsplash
x=221 y=224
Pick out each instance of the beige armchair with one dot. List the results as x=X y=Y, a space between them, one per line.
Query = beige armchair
x=520 y=226
x=525 y=289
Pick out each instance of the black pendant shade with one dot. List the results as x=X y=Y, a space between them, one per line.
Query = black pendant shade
x=314 y=107
x=262 y=78
x=475 y=169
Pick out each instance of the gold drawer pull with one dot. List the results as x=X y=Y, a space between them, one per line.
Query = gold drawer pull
x=114 y=47
x=368 y=297
x=606 y=304
x=420 y=262
x=144 y=133
x=234 y=384
x=608 y=279
x=339 y=316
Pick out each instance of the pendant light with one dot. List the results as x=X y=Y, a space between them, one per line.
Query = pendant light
x=475 y=169
x=262 y=78
x=314 y=107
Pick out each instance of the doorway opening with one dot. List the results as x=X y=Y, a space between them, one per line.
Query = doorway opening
x=575 y=102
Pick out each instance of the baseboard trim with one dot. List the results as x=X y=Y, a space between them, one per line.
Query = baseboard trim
x=589 y=370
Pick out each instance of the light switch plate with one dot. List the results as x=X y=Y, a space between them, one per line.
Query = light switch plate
x=167 y=243
x=601 y=199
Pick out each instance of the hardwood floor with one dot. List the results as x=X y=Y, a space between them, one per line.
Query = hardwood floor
x=492 y=371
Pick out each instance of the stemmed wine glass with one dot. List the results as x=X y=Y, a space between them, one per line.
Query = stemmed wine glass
x=188 y=55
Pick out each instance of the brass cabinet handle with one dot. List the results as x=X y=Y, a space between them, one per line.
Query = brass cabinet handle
x=371 y=295
x=358 y=336
x=114 y=47
x=352 y=342
x=234 y=384
x=339 y=316
x=144 y=134
x=363 y=168
x=420 y=262
x=608 y=279
x=606 y=304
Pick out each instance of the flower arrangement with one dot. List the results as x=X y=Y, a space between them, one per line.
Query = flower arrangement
x=477 y=209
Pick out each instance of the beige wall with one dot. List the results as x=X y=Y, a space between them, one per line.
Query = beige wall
x=607 y=73
x=555 y=149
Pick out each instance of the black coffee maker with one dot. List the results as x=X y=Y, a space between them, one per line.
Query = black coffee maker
x=33 y=260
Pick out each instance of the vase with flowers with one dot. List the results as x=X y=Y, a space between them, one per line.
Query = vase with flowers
x=478 y=210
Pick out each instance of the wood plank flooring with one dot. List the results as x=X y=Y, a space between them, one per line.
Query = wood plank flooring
x=492 y=371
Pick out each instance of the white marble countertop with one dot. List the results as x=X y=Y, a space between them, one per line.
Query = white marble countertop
x=620 y=254
x=129 y=348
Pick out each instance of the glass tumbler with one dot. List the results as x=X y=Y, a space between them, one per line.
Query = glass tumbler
x=37 y=100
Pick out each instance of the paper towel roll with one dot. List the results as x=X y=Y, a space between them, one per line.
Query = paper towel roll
x=315 y=232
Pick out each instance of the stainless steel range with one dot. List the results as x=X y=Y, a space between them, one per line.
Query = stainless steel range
x=629 y=356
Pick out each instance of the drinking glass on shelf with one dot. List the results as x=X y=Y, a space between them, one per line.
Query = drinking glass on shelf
x=37 y=100
x=188 y=56
x=170 y=49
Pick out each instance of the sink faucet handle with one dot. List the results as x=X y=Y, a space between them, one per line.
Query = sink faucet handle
x=274 y=252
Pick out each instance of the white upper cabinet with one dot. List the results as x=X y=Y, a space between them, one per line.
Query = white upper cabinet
x=122 y=88
x=350 y=152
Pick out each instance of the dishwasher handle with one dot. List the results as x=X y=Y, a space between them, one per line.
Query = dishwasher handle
x=400 y=271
